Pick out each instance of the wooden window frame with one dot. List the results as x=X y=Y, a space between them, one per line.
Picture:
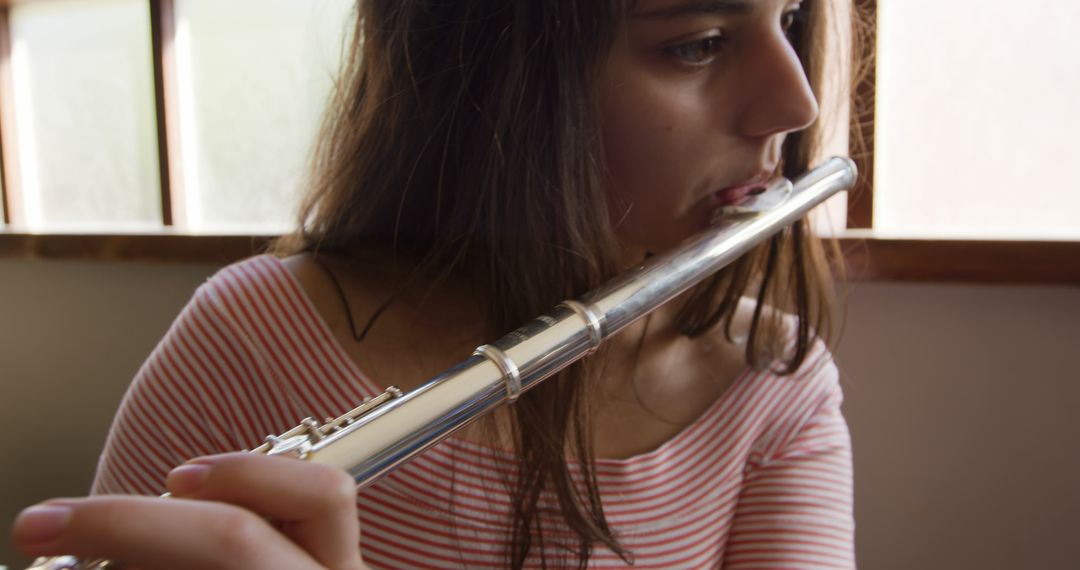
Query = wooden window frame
x=868 y=257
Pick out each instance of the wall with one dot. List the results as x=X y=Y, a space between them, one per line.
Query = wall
x=962 y=402
x=72 y=335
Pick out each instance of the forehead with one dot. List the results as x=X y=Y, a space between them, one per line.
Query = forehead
x=674 y=9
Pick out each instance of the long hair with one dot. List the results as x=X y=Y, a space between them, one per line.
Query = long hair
x=466 y=134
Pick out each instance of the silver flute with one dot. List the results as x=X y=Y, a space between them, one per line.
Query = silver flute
x=393 y=427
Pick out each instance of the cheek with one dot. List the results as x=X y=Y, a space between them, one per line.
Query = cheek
x=641 y=142
x=651 y=158
x=649 y=200
x=661 y=131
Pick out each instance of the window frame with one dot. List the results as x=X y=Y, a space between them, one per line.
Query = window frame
x=868 y=257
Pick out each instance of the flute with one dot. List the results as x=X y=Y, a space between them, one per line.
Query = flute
x=393 y=427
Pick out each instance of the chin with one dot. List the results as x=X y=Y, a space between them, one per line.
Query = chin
x=664 y=236
x=636 y=252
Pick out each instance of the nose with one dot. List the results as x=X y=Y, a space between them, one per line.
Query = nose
x=779 y=97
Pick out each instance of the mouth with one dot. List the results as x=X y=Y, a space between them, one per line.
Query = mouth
x=739 y=193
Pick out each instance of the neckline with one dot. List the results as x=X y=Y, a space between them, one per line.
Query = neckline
x=329 y=338
x=489 y=450
x=643 y=459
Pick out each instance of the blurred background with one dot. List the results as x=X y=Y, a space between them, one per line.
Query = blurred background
x=144 y=141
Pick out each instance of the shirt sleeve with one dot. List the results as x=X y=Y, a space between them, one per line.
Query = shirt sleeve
x=795 y=508
x=187 y=400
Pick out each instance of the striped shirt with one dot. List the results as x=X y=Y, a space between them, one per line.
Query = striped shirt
x=761 y=480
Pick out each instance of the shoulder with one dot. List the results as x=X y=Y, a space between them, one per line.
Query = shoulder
x=785 y=331
x=785 y=409
x=246 y=298
x=251 y=334
x=262 y=273
x=814 y=382
x=223 y=344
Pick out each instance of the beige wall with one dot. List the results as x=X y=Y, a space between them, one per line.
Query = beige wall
x=72 y=335
x=963 y=403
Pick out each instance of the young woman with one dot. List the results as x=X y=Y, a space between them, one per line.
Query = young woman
x=483 y=160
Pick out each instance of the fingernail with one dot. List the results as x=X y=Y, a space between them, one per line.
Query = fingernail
x=42 y=523
x=61 y=502
x=187 y=479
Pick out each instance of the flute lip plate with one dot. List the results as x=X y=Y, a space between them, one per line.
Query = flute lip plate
x=777 y=192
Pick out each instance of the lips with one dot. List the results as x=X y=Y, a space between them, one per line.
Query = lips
x=733 y=195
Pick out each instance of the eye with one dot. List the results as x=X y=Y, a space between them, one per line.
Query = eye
x=698 y=52
x=792 y=19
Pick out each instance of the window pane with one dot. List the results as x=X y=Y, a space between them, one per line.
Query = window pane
x=977 y=119
x=85 y=114
x=254 y=75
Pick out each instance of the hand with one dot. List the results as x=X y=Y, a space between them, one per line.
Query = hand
x=236 y=510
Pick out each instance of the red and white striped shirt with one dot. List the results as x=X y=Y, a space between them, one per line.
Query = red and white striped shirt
x=761 y=480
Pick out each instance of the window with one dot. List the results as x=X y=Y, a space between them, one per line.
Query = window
x=977 y=120
x=253 y=77
x=935 y=120
x=232 y=90
x=84 y=115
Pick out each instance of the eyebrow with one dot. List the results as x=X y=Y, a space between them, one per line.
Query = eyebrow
x=697 y=8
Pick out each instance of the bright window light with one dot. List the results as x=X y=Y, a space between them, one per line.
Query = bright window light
x=85 y=115
x=254 y=80
x=977 y=119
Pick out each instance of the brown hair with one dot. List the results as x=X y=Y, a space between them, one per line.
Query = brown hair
x=465 y=133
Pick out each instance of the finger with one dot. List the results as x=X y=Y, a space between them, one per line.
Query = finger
x=156 y=533
x=316 y=503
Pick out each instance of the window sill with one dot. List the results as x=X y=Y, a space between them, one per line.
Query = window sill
x=154 y=247
x=871 y=258
x=868 y=258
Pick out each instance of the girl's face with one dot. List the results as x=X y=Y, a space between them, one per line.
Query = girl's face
x=696 y=98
